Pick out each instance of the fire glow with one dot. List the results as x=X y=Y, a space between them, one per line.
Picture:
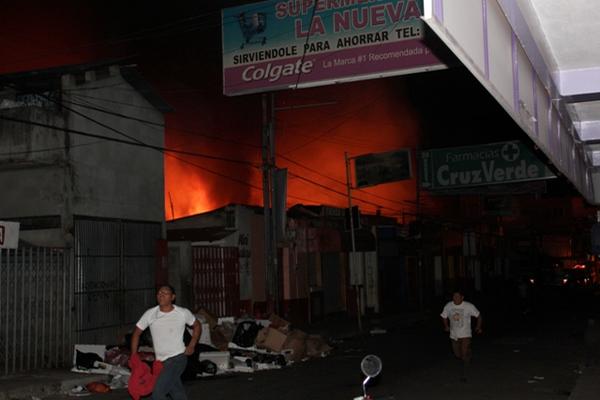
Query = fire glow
x=359 y=118
x=365 y=117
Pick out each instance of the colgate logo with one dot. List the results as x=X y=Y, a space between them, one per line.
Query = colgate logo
x=273 y=73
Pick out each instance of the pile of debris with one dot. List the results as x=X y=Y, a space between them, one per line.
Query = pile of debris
x=247 y=345
x=226 y=345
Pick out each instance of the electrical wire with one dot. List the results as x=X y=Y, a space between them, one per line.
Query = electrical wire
x=194 y=133
x=136 y=142
x=206 y=156
x=230 y=160
x=113 y=113
x=341 y=182
x=345 y=195
x=223 y=159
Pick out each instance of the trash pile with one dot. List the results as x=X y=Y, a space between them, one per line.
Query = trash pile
x=226 y=345
x=248 y=345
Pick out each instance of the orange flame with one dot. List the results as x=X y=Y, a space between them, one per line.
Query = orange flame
x=366 y=117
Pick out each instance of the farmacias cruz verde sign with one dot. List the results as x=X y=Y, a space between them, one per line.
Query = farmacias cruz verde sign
x=487 y=164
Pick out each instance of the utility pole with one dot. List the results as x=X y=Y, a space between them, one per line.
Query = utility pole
x=269 y=193
x=420 y=277
x=266 y=180
x=269 y=190
x=352 y=260
x=274 y=190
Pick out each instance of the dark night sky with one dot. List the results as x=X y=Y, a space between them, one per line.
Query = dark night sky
x=176 y=46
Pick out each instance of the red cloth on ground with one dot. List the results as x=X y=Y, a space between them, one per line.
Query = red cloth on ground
x=142 y=380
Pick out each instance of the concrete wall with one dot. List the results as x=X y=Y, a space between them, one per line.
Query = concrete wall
x=113 y=179
x=32 y=181
x=82 y=176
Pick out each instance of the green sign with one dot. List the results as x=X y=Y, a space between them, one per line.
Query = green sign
x=374 y=169
x=487 y=164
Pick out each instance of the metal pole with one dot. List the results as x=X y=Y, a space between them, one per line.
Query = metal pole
x=420 y=238
x=352 y=255
x=272 y=164
x=266 y=194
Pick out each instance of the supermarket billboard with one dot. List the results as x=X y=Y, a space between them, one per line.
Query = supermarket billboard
x=274 y=45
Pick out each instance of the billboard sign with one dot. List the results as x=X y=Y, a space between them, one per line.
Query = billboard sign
x=284 y=44
x=374 y=169
x=487 y=164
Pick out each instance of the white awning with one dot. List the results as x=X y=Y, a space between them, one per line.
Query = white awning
x=540 y=59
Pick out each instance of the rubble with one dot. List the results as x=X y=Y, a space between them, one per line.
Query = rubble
x=227 y=345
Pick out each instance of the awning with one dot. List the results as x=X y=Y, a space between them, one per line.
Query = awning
x=540 y=59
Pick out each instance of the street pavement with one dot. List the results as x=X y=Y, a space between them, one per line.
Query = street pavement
x=540 y=355
x=522 y=359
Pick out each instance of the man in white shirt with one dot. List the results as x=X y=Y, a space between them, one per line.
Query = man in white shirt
x=456 y=317
x=167 y=323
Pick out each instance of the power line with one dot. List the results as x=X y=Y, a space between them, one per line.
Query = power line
x=341 y=182
x=49 y=149
x=318 y=137
x=92 y=106
x=168 y=152
x=229 y=141
x=110 y=112
x=345 y=195
x=82 y=97
x=233 y=179
x=286 y=158
x=128 y=142
x=170 y=127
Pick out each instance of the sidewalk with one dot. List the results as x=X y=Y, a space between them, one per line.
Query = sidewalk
x=43 y=383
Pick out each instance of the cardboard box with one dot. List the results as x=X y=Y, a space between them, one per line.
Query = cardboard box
x=279 y=323
x=295 y=346
x=274 y=340
x=207 y=316
x=316 y=346
x=218 y=339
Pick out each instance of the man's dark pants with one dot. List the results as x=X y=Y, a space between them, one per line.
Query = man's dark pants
x=169 y=380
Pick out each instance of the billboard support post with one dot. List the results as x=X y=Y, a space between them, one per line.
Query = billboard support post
x=274 y=190
x=267 y=140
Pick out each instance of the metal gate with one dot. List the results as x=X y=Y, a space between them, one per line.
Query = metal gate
x=114 y=277
x=216 y=279
x=36 y=298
